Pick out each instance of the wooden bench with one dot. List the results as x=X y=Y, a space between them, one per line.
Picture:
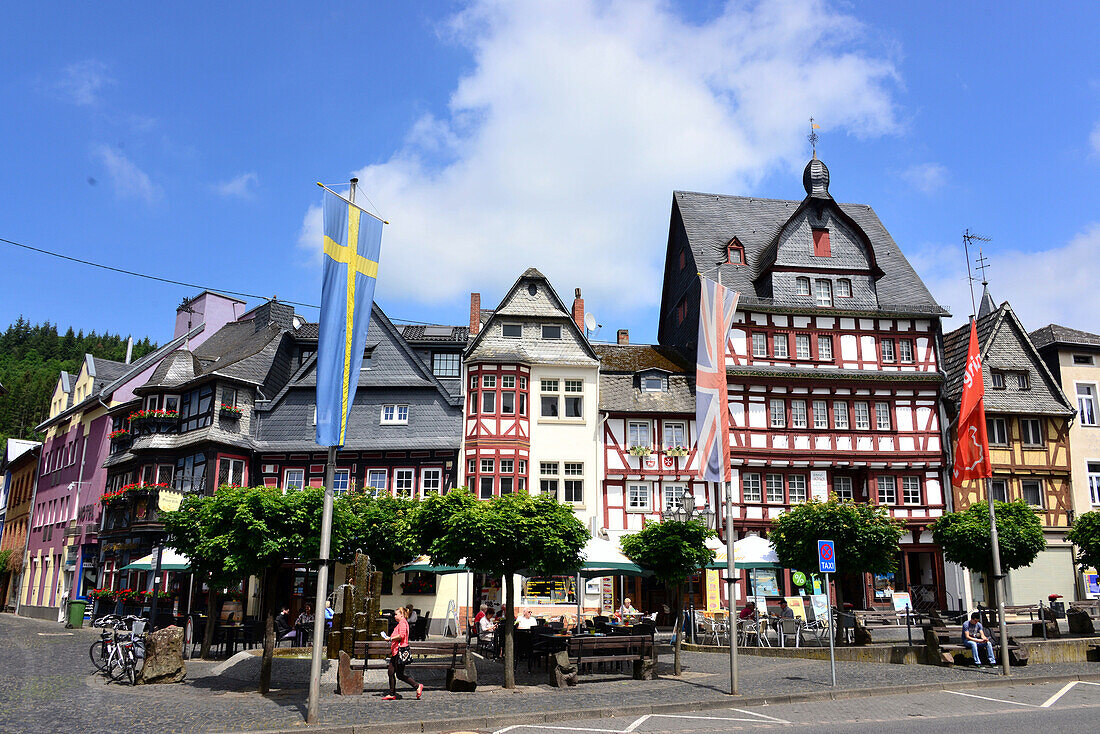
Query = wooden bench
x=454 y=657
x=1019 y=610
x=587 y=649
x=1089 y=606
x=944 y=645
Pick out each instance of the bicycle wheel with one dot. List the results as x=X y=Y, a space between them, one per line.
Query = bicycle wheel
x=98 y=654
x=131 y=668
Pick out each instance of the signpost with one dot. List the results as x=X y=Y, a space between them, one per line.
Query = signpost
x=826 y=562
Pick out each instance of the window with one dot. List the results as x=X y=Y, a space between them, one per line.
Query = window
x=1031 y=431
x=802 y=346
x=521 y=465
x=294 y=478
x=488 y=401
x=821 y=414
x=506 y=485
x=489 y=381
x=675 y=434
x=774 y=483
x=824 y=292
x=796 y=483
x=473 y=382
x=507 y=466
x=523 y=403
x=779 y=345
x=230 y=471
x=551 y=331
x=340 y=481
x=674 y=497
x=190 y=473
x=637 y=434
x=1094 y=482
x=574 y=488
x=394 y=415
x=229 y=396
x=1023 y=380
x=759 y=344
x=798 y=414
x=574 y=403
x=1082 y=359
x=488 y=466
x=910 y=490
x=802 y=286
x=882 y=416
x=508 y=382
x=825 y=348
x=1000 y=490
x=197 y=408
x=750 y=488
x=1032 y=491
x=403 y=482
x=842 y=488
x=638 y=497
x=548 y=469
x=863 y=417
x=550 y=403
x=446 y=364
x=1086 y=404
x=844 y=288
x=735 y=253
x=486 y=488
x=653 y=384
x=471 y=467
x=997 y=430
x=512 y=331
x=821 y=243
x=905 y=350
x=887 y=346
x=998 y=379
x=507 y=403
x=152 y=402
x=840 y=415
x=172 y=403
x=887 y=490
x=778 y=412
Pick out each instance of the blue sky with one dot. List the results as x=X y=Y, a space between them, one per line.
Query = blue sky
x=185 y=142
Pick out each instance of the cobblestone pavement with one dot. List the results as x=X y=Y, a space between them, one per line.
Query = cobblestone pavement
x=47 y=685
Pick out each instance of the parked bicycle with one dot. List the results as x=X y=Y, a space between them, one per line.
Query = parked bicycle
x=120 y=650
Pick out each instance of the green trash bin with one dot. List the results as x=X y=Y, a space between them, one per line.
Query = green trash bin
x=76 y=612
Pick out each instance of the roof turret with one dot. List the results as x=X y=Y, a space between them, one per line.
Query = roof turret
x=815 y=179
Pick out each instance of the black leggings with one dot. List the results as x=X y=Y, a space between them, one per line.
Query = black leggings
x=397 y=670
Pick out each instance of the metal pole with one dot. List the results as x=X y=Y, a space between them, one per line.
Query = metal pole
x=731 y=581
x=832 y=629
x=322 y=590
x=998 y=589
x=578 y=602
x=908 y=625
x=156 y=591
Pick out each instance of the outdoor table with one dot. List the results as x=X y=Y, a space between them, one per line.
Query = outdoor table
x=303 y=634
x=231 y=632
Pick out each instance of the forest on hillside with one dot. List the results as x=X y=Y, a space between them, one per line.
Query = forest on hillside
x=31 y=358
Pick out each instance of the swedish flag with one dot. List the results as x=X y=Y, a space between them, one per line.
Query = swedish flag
x=353 y=239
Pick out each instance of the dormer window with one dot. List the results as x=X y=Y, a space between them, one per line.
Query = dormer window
x=821 y=243
x=653 y=383
x=511 y=331
x=824 y=290
x=735 y=252
x=802 y=286
x=551 y=331
x=844 y=288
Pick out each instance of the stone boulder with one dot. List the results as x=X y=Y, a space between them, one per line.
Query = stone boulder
x=164 y=657
x=1080 y=623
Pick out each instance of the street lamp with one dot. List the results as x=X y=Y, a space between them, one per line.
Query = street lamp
x=686 y=512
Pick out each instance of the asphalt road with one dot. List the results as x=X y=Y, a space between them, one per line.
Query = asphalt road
x=1022 y=709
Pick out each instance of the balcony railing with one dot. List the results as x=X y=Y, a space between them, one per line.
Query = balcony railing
x=140 y=507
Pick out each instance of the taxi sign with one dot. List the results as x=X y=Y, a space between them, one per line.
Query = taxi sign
x=826 y=557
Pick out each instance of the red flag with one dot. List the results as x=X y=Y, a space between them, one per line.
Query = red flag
x=972 y=451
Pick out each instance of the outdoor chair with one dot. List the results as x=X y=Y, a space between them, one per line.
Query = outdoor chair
x=758 y=630
x=785 y=628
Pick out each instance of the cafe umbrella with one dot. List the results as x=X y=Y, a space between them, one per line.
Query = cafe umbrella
x=603 y=558
x=423 y=564
x=751 y=552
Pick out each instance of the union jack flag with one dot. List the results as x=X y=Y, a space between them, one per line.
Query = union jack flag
x=717 y=305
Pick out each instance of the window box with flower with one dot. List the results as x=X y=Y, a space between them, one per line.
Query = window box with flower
x=153 y=417
x=229 y=411
x=676 y=451
x=640 y=450
x=121 y=434
x=418 y=583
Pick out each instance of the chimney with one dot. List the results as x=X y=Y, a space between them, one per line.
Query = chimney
x=578 y=310
x=129 y=349
x=475 y=313
x=623 y=336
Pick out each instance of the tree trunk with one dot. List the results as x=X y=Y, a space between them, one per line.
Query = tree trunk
x=509 y=639
x=211 y=618
x=678 y=629
x=269 y=579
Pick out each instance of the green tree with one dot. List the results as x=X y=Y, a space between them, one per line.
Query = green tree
x=514 y=533
x=673 y=551
x=1085 y=534
x=376 y=525
x=865 y=538
x=966 y=540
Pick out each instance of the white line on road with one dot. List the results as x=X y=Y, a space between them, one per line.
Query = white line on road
x=987 y=698
x=761 y=718
x=1065 y=689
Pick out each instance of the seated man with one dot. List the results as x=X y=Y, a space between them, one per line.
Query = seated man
x=973 y=635
x=748 y=611
x=526 y=621
x=785 y=612
x=283 y=629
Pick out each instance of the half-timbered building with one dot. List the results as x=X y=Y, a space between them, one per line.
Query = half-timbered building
x=832 y=364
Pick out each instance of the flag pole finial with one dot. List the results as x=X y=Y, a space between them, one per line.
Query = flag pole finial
x=812 y=137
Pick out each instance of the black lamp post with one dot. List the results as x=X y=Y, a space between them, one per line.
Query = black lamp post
x=685 y=512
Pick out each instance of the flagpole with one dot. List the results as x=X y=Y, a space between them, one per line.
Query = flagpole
x=731 y=584
x=313 y=706
x=998 y=587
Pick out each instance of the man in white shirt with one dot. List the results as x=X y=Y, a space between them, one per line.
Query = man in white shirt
x=526 y=621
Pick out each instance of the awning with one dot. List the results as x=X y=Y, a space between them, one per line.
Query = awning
x=750 y=552
x=424 y=564
x=170 y=560
x=603 y=558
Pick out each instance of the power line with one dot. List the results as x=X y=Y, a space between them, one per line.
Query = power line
x=136 y=274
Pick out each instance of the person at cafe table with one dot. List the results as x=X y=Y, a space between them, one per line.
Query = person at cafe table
x=627 y=610
x=785 y=612
x=526 y=621
x=748 y=611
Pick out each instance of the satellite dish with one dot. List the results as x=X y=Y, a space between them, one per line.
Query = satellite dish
x=297 y=322
x=590 y=321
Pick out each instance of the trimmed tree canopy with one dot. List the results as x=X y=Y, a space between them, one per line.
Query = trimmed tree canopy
x=865 y=536
x=1085 y=534
x=672 y=550
x=965 y=538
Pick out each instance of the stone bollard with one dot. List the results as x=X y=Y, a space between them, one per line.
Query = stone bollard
x=1080 y=623
x=562 y=673
x=164 y=657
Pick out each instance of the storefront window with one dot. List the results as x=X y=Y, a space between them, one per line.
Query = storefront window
x=550 y=590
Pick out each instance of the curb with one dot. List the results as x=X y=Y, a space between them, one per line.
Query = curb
x=545 y=717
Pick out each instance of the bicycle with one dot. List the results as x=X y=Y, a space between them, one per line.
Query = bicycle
x=119 y=652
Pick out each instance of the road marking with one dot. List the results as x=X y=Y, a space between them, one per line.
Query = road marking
x=635 y=725
x=987 y=698
x=761 y=718
x=1065 y=689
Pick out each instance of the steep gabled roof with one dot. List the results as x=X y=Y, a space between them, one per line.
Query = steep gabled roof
x=1064 y=336
x=634 y=358
x=620 y=387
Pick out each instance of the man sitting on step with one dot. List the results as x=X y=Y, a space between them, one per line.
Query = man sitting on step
x=974 y=635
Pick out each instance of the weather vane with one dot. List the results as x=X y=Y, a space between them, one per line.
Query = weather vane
x=812 y=137
x=970 y=238
x=981 y=263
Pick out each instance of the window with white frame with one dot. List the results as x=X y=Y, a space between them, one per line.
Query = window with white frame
x=551 y=401
x=802 y=346
x=403 y=482
x=777 y=409
x=551 y=331
x=394 y=415
x=999 y=489
x=1032 y=491
x=431 y=481
x=230 y=471
x=796 y=484
x=905 y=350
x=802 y=286
x=1082 y=359
x=798 y=414
x=675 y=434
x=821 y=415
x=488 y=466
x=521 y=466
x=294 y=478
x=507 y=484
x=548 y=481
x=1023 y=380
x=844 y=288
x=1086 y=404
x=164 y=473
x=882 y=416
x=471 y=466
x=638 y=497
x=887 y=347
x=840 y=415
x=637 y=434
x=759 y=344
x=508 y=382
x=887 y=490
x=774 y=485
x=489 y=381
x=750 y=487
x=507 y=466
x=674 y=497
x=508 y=403
x=998 y=379
x=341 y=478
x=573 y=485
x=1031 y=431
x=863 y=416
x=1094 y=482
x=574 y=398
x=653 y=383
x=910 y=490
x=825 y=348
x=488 y=401
x=997 y=431
x=824 y=292
x=780 y=345
x=446 y=364
x=842 y=488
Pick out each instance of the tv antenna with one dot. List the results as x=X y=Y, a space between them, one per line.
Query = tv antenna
x=970 y=238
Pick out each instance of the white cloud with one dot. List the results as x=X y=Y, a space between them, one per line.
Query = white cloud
x=562 y=145
x=926 y=177
x=129 y=180
x=1056 y=285
x=241 y=187
x=81 y=82
x=1094 y=138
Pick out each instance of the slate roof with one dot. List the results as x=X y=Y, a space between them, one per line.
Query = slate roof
x=1055 y=334
x=1004 y=345
x=416 y=333
x=638 y=357
x=620 y=384
x=712 y=220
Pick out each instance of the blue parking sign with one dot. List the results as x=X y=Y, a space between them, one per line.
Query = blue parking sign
x=826 y=557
